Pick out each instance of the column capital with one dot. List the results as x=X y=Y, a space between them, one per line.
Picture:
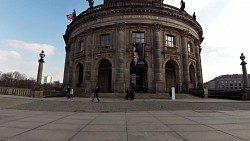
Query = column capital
x=184 y=32
x=88 y=31
x=197 y=42
x=156 y=27
x=120 y=26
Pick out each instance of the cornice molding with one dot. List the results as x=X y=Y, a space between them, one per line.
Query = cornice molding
x=164 y=11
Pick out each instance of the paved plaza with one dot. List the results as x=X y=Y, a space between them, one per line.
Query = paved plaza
x=116 y=119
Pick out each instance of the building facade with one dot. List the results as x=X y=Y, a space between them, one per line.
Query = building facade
x=146 y=42
x=47 y=80
x=227 y=82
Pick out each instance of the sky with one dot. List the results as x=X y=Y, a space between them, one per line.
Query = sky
x=29 y=26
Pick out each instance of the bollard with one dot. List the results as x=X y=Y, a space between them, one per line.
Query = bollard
x=173 y=93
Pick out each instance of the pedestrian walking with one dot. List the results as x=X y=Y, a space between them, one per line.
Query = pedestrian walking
x=96 y=93
x=68 y=92
x=170 y=94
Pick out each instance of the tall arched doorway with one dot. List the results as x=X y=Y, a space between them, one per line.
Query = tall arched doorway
x=105 y=75
x=79 y=74
x=139 y=74
x=171 y=75
x=192 y=76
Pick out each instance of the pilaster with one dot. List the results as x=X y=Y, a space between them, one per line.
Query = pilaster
x=158 y=84
x=185 y=70
x=198 y=63
x=88 y=59
x=119 y=59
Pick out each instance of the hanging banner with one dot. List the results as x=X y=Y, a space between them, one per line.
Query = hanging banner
x=139 y=53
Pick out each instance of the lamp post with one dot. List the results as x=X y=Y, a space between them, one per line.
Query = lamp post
x=40 y=67
x=244 y=70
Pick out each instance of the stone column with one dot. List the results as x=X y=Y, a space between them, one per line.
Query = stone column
x=185 y=68
x=158 y=84
x=71 y=64
x=119 y=59
x=244 y=71
x=39 y=73
x=40 y=68
x=198 y=63
x=88 y=59
x=66 y=66
x=246 y=89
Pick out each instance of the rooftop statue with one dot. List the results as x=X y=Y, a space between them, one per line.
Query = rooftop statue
x=91 y=3
x=182 y=5
x=194 y=16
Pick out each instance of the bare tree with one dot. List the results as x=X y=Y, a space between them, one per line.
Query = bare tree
x=15 y=79
x=18 y=80
x=19 y=76
x=6 y=79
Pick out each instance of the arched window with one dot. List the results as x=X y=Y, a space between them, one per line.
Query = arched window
x=190 y=48
x=82 y=45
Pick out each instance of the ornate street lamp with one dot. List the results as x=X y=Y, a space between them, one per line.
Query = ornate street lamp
x=244 y=70
x=42 y=55
x=40 y=67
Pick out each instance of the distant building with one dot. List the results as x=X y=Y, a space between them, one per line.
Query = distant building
x=47 y=80
x=226 y=82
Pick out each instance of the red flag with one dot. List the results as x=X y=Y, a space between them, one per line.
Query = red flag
x=70 y=17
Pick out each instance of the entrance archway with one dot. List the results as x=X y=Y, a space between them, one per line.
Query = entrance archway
x=171 y=75
x=140 y=73
x=79 y=74
x=105 y=75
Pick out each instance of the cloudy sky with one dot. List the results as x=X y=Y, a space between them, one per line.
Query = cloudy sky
x=29 y=26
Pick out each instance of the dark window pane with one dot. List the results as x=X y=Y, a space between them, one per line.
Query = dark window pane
x=138 y=37
x=105 y=40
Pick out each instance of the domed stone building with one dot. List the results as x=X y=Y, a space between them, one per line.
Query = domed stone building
x=146 y=42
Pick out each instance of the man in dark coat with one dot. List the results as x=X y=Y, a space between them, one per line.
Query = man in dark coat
x=96 y=93
x=68 y=92
x=170 y=94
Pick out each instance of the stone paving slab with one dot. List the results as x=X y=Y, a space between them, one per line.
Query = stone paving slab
x=209 y=136
x=154 y=136
x=149 y=121
x=100 y=136
x=129 y=126
x=244 y=134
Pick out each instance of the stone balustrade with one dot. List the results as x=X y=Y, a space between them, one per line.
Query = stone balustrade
x=15 y=91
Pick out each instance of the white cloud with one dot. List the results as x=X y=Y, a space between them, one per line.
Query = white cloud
x=20 y=56
x=5 y=55
x=226 y=31
x=32 y=47
x=191 y=5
